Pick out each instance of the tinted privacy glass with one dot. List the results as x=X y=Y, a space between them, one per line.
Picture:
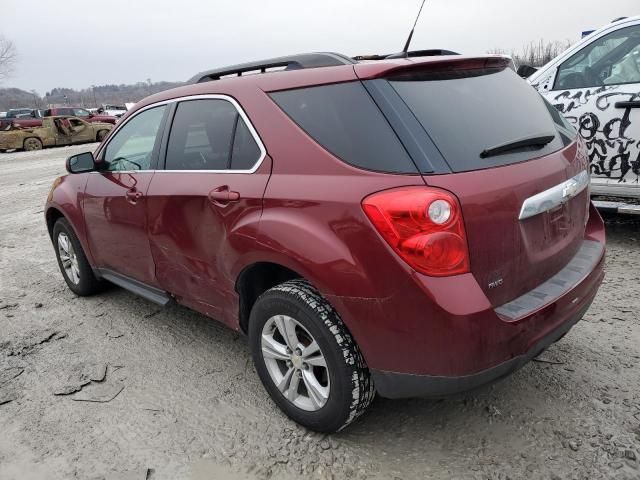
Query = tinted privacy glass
x=567 y=131
x=344 y=120
x=467 y=112
x=245 y=152
x=210 y=135
x=132 y=146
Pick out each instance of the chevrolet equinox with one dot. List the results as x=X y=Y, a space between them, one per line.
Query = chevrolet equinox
x=414 y=227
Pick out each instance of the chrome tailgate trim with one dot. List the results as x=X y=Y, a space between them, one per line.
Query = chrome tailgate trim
x=554 y=196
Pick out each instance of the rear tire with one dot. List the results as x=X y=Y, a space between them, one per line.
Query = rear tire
x=101 y=135
x=330 y=385
x=72 y=261
x=31 y=144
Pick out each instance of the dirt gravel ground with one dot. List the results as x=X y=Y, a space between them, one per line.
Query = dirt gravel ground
x=112 y=386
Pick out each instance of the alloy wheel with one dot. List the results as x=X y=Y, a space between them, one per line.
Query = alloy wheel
x=295 y=363
x=68 y=258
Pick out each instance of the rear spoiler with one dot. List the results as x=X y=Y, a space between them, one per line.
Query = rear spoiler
x=433 y=64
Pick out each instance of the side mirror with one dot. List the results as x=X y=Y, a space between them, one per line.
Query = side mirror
x=83 y=162
x=526 y=71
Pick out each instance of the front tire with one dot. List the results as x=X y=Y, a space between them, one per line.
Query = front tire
x=72 y=261
x=306 y=358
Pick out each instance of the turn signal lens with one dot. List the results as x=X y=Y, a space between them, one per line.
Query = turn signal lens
x=424 y=226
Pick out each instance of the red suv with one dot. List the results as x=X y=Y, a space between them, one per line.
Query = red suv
x=412 y=227
x=82 y=113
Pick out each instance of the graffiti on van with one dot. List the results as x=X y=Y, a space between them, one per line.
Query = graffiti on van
x=612 y=152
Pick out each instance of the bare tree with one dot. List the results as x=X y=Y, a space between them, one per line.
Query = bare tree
x=8 y=57
x=536 y=54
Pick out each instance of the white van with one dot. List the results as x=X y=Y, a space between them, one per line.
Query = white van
x=596 y=85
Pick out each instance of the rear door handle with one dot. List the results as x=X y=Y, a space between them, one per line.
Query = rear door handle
x=635 y=104
x=133 y=195
x=223 y=196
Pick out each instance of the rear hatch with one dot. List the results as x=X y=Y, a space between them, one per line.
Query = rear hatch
x=494 y=142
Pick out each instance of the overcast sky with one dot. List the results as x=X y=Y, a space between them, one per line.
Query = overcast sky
x=78 y=43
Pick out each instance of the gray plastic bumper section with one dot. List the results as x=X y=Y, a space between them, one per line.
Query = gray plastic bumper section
x=580 y=266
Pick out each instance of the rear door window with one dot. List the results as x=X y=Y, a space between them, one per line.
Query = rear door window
x=345 y=121
x=201 y=135
x=466 y=112
x=245 y=152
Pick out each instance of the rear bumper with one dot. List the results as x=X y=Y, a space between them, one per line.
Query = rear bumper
x=437 y=336
x=400 y=385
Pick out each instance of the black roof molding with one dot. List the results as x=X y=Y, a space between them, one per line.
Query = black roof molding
x=292 y=62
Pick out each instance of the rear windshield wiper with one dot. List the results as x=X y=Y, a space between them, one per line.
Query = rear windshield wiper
x=539 y=140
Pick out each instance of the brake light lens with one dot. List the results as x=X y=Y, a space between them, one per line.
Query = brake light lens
x=424 y=226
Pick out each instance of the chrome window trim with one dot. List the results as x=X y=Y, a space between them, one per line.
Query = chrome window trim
x=554 y=196
x=216 y=96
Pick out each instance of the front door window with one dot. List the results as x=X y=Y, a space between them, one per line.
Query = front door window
x=132 y=146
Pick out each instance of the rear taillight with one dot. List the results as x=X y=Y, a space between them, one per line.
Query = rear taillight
x=424 y=226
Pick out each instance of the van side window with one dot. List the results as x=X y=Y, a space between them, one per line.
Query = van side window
x=611 y=60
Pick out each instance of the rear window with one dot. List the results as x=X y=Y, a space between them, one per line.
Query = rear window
x=466 y=112
x=344 y=120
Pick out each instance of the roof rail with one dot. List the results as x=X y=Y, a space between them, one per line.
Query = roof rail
x=414 y=53
x=292 y=62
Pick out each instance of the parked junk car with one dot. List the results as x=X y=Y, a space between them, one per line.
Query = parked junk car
x=113 y=110
x=79 y=112
x=54 y=132
x=3 y=114
x=21 y=117
x=412 y=226
x=596 y=85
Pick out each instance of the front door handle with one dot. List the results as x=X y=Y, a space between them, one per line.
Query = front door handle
x=223 y=196
x=133 y=195
x=635 y=104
